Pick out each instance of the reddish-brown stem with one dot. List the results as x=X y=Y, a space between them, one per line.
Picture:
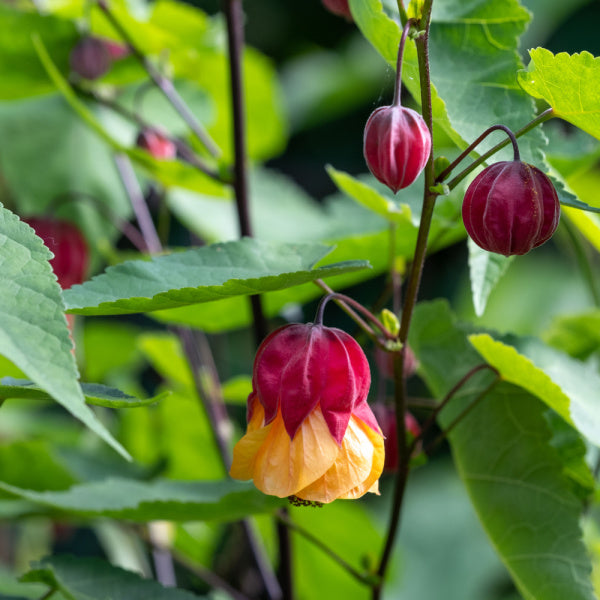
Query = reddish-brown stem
x=398 y=85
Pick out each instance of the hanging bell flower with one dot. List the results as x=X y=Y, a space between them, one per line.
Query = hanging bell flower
x=311 y=433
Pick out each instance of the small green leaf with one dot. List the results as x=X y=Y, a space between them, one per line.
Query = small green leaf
x=577 y=335
x=95 y=579
x=162 y=499
x=370 y=198
x=486 y=269
x=569 y=83
x=33 y=328
x=565 y=385
x=244 y=267
x=94 y=393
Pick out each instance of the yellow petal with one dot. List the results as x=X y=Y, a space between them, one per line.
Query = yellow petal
x=371 y=483
x=284 y=466
x=356 y=470
x=245 y=451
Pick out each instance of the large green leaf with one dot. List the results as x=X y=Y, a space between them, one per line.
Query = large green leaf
x=503 y=454
x=569 y=83
x=204 y=274
x=163 y=499
x=33 y=328
x=94 y=393
x=568 y=386
x=95 y=579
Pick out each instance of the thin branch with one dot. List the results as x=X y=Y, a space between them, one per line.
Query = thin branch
x=444 y=434
x=208 y=576
x=543 y=117
x=138 y=203
x=361 y=577
x=164 y=84
x=457 y=386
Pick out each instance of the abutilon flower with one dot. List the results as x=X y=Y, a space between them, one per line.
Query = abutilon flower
x=311 y=433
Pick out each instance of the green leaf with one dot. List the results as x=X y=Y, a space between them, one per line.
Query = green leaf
x=512 y=474
x=566 y=385
x=94 y=393
x=203 y=274
x=569 y=83
x=95 y=579
x=162 y=499
x=485 y=268
x=577 y=335
x=369 y=198
x=20 y=72
x=43 y=472
x=33 y=328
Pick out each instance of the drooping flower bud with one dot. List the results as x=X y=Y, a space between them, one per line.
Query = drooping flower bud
x=510 y=208
x=396 y=145
x=311 y=433
x=71 y=254
x=338 y=7
x=396 y=141
x=156 y=144
x=90 y=58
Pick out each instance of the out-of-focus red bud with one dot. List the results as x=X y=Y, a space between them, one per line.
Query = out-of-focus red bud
x=156 y=144
x=71 y=254
x=385 y=362
x=338 y=7
x=90 y=58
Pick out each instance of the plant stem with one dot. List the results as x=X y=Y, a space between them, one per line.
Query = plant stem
x=138 y=203
x=288 y=523
x=347 y=309
x=358 y=306
x=208 y=576
x=234 y=16
x=473 y=145
x=422 y=43
x=49 y=594
x=402 y=11
x=541 y=118
x=164 y=84
x=235 y=38
x=444 y=434
x=583 y=261
x=438 y=409
x=398 y=84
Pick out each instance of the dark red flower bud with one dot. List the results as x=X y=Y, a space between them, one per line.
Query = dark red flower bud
x=90 y=58
x=71 y=255
x=157 y=144
x=338 y=7
x=510 y=208
x=386 y=417
x=396 y=145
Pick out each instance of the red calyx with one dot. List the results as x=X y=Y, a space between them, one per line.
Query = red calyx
x=90 y=58
x=396 y=145
x=71 y=255
x=156 y=144
x=338 y=7
x=300 y=366
x=510 y=208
